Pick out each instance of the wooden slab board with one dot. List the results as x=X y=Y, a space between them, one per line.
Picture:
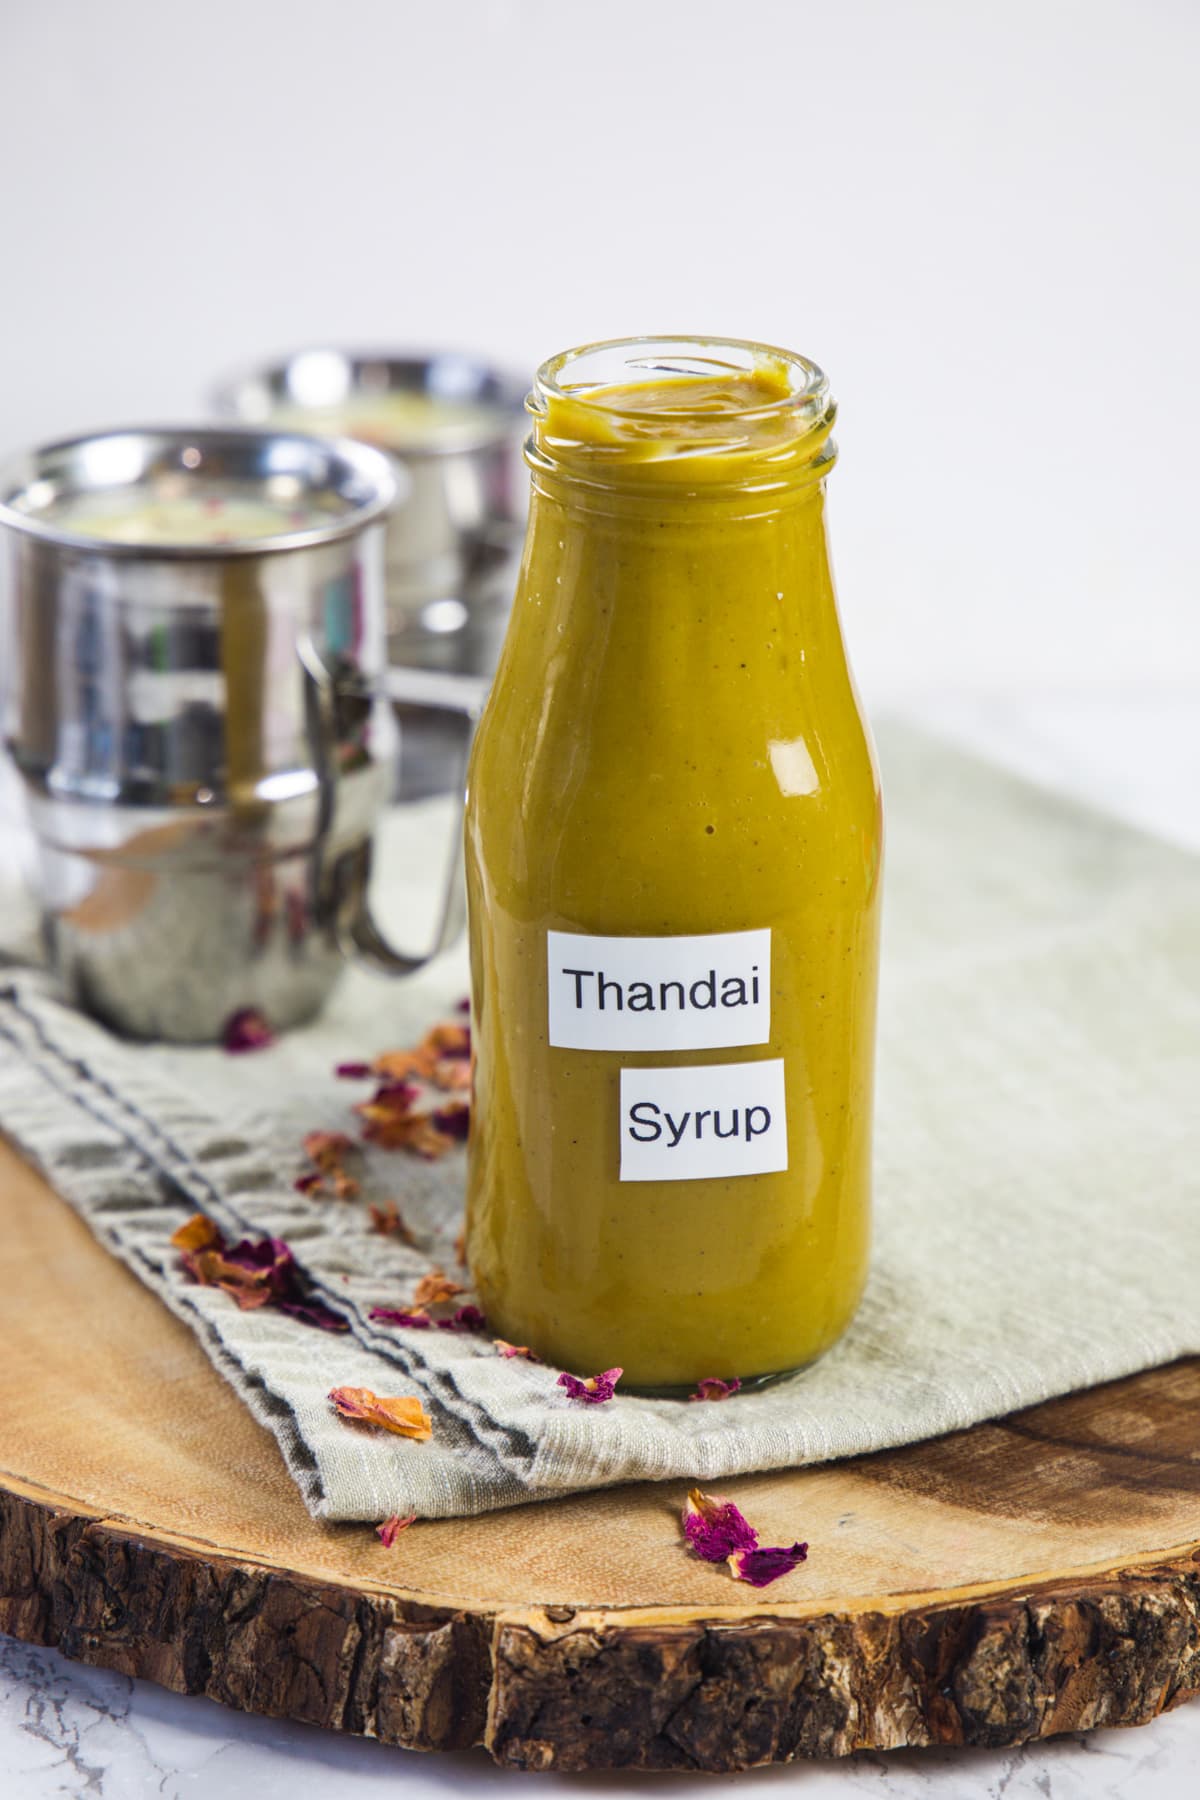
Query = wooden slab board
x=1037 y=1575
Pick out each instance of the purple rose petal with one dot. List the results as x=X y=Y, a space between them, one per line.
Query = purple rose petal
x=467 y=1318
x=593 y=1390
x=760 y=1567
x=246 y=1029
x=454 y=1121
x=713 y=1388
x=715 y=1528
x=391 y=1315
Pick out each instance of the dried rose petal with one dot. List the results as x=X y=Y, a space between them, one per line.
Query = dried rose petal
x=398 y=1127
x=715 y=1528
x=328 y=1148
x=247 y=1297
x=197 y=1233
x=352 y=1071
x=442 y=1047
x=418 y=1319
x=504 y=1348
x=246 y=1029
x=327 y=1151
x=464 y=1006
x=396 y=1066
x=390 y=1530
x=760 y=1567
x=428 y=1140
x=262 y=1257
x=400 y=1413
x=452 y=1073
x=393 y=1117
x=454 y=1120
x=313 y=1312
x=447 y=1039
x=388 y=1221
x=398 y=1096
x=593 y=1390
x=253 y=1274
x=436 y=1287
x=467 y=1318
x=713 y=1388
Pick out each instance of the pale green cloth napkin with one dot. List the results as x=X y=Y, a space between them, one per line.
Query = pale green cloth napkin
x=1038 y=1172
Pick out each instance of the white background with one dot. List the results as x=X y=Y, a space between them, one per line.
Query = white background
x=981 y=219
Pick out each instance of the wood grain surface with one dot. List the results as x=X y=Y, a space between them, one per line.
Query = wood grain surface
x=1035 y=1575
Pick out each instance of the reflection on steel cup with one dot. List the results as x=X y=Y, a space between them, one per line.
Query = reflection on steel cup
x=452 y=425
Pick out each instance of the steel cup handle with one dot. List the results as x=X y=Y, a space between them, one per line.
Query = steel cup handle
x=463 y=696
x=345 y=902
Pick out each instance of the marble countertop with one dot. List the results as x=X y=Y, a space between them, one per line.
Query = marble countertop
x=67 y=1730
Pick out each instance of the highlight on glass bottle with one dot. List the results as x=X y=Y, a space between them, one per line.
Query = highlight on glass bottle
x=673 y=851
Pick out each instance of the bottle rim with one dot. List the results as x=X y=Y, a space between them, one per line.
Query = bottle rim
x=688 y=357
x=589 y=431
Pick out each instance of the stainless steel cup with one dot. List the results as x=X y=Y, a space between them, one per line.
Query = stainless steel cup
x=201 y=730
x=454 y=537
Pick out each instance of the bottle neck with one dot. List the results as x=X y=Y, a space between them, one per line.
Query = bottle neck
x=677 y=523
x=698 y=509
x=726 y=578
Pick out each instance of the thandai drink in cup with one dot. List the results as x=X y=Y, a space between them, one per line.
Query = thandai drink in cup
x=673 y=866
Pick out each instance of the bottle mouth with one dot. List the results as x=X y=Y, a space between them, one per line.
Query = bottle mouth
x=634 y=412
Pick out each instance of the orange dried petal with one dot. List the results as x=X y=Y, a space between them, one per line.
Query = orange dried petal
x=328 y=1149
x=211 y=1269
x=449 y=1038
x=398 y=1065
x=249 y=1299
x=443 y=1044
x=400 y=1413
x=435 y=1287
x=389 y=1221
x=430 y=1141
x=197 y=1233
x=392 y=1130
x=452 y=1073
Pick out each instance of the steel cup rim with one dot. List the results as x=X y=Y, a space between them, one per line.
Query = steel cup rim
x=507 y=401
x=372 y=468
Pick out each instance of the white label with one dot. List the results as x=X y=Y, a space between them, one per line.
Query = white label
x=659 y=993
x=703 y=1123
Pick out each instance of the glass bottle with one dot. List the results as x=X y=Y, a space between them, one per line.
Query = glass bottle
x=673 y=847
